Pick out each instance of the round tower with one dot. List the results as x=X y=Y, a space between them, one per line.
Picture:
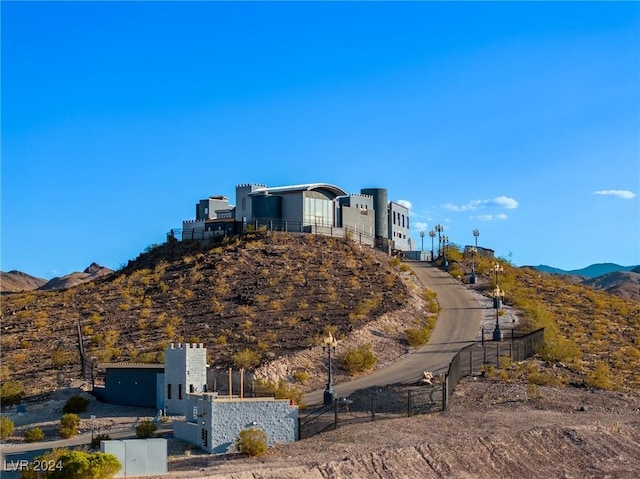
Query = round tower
x=380 y=203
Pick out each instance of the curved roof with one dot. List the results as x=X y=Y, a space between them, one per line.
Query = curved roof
x=306 y=187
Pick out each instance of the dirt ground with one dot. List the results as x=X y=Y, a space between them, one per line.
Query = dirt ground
x=493 y=429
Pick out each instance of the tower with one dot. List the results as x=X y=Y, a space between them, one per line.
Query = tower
x=185 y=372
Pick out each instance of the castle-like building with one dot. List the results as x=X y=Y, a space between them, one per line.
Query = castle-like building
x=319 y=208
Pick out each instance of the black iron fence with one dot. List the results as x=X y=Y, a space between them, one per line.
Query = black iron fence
x=480 y=355
x=392 y=401
x=234 y=228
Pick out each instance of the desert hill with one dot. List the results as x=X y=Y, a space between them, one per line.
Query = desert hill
x=92 y=272
x=625 y=284
x=15 y=281
x=622 y=281
x=249 y=299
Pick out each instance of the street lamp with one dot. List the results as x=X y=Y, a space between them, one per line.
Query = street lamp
x=432 y=234
x=439 y=229
x=329 y=345
x=422 y=239
x=498 y=296
x=474 y=252
x=445 y=240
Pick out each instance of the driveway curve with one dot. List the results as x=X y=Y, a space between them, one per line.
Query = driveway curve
x=457 y=326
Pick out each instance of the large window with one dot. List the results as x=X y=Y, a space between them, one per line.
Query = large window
x=318 y=211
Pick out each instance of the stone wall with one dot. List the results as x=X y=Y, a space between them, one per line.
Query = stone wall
x=220 y=420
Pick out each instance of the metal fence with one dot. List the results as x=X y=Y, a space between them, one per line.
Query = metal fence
x=398 y=400
x=235 y=228
x=478 y=356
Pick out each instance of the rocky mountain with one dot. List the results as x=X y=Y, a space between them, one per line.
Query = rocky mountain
x=15 y=281
x=591 y=271
x=623 y=281
x=92 y=272
x=625 y=284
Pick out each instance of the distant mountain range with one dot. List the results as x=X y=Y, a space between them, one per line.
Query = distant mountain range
x=16 y=281
x=623 y=281
x=592 y=271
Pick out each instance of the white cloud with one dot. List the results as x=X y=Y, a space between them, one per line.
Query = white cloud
x=505 y=201
x=420 y=225
x=499 y=216
x=502 y=201
x=624 y=194
x=405 y=203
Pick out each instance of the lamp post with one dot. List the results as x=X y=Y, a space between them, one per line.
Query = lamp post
x=439 y=229
x=473 y=250
x=445 y=240
x=422 y=239
x=498 y=296
x=329 y=345
x=432 y=234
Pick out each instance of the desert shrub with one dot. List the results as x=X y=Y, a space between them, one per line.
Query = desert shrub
x=600 y=377
x=543 y=378
x=359 y=359
x=11 y=392
x=61 y=357
x=252 y=442
x=283 y=390
x=69 y=425
x=95 y=442
x=76 y=404
x=74 y=464
x=301 y=376
x=6 y=427
x=146 y=428
x=418 y=336
x=34 y=434
x=246 y=358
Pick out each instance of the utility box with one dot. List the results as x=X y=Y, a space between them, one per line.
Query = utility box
x=139 y=457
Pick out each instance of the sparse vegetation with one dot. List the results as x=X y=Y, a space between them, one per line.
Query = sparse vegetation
x=11 y=392
x=69 y=425
x=35 y=434
x=146 y=428
x=75 y=404
x=359 y=359
x=6 y=427
x=74 y=464
x=247 y=358
x=253 y=442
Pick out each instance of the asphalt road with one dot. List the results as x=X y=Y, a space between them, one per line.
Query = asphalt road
x=457 y=326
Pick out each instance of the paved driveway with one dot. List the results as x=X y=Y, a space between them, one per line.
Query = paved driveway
x=457 y=326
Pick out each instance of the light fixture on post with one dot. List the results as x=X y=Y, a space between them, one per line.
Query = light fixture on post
x=422 y=239
x=445 y=240
x=329 y=345
x=498 y=296
x=439 y=229
x=474 y=251
x=432 y=234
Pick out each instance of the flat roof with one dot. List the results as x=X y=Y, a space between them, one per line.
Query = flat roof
x=130 y=366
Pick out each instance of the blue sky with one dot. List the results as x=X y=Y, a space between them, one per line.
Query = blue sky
x=519 y=119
